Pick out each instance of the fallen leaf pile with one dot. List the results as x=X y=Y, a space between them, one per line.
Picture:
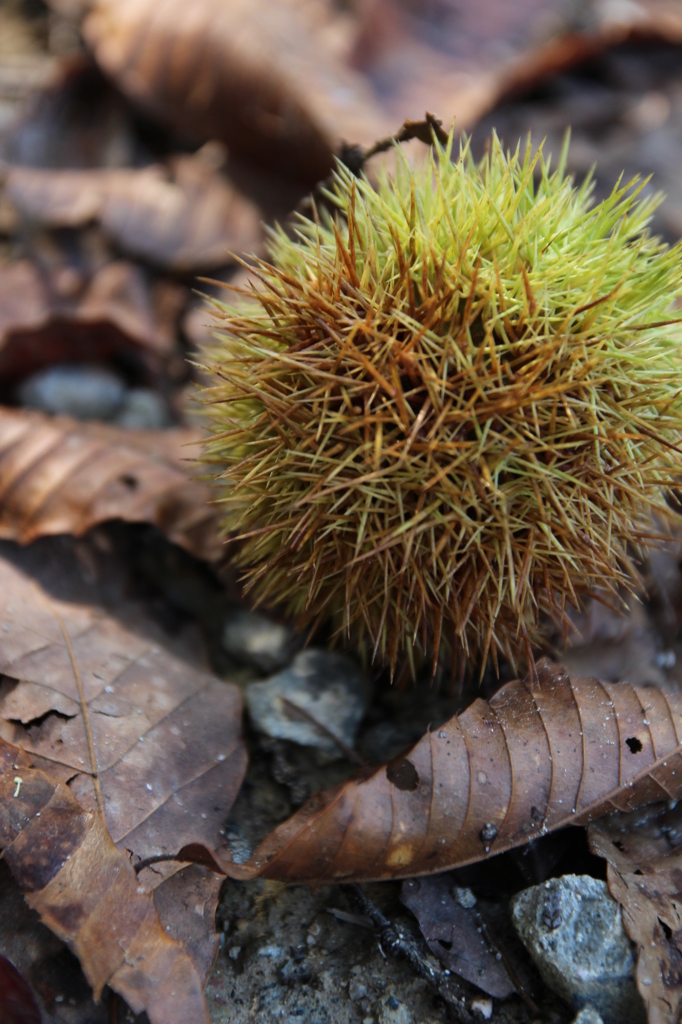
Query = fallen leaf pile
x=87 y=892
x=183 y=217
x=152 y=140
x=117 y=750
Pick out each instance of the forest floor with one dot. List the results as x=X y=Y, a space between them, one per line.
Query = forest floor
x=303 y=956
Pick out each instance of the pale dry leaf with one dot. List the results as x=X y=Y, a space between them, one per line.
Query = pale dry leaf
x=267 y=78
x=644 y=854
x=185 y=216
x=531 y=760
x=61 y=476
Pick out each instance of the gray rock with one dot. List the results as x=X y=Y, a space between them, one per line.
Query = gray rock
x=588 y=1016
x=356 y=990
x=572 y=928
x=84 y=392
x=255 y=640
x=143 y=409
x=329 y=687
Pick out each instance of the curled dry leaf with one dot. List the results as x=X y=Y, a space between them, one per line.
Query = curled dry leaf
x=101 y=701
x=463 y=59
x=644 y=854
x=51 y=318
x=87 y=892
x=44 y=961
x=531 y=760
x=264 y=77
x=185 y=217
x=59 y=476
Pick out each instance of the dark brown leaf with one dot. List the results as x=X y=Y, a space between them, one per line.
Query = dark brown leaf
x=58 y=476
x=87 y=892
x=186 y=903
x=529 y=761
x=58 y=317
x=185 y=217
x=17 y=1004
x=266 y=78
x=62 y=993
x=454 y=934
x=74 y=118
x=644 y=854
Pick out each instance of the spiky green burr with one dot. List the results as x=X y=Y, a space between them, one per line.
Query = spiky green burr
x=452 y=408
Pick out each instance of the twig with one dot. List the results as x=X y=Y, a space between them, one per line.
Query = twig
x=355 y=157
x=492 y=941
x=341 y=744
x=113 y=1007
x=399 y=944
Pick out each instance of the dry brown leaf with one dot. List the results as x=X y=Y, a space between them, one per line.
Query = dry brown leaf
x=284 y=81
x=267 y=78
x=61 y=476
x=50 y=318
x=186 y=902
x=165 y=733
x=529 y=761
x=102 y=701
x=185 y=216
x=87 y=892
x=455 y=934
x=462 y=60
x=55 y=976
x=644 y=854
x=75 y=118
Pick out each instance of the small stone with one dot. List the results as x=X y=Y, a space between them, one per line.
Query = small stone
x=572 y=929
x=488 y=833
x=234 y=952
x=143 y=409
x=78 y=390
x=272 y=952
x=483 y=1007
x=256 y=640
x=464 y=897
x=329 y=688
x=240 y=847
x=588 y=1016
x=356 y=990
